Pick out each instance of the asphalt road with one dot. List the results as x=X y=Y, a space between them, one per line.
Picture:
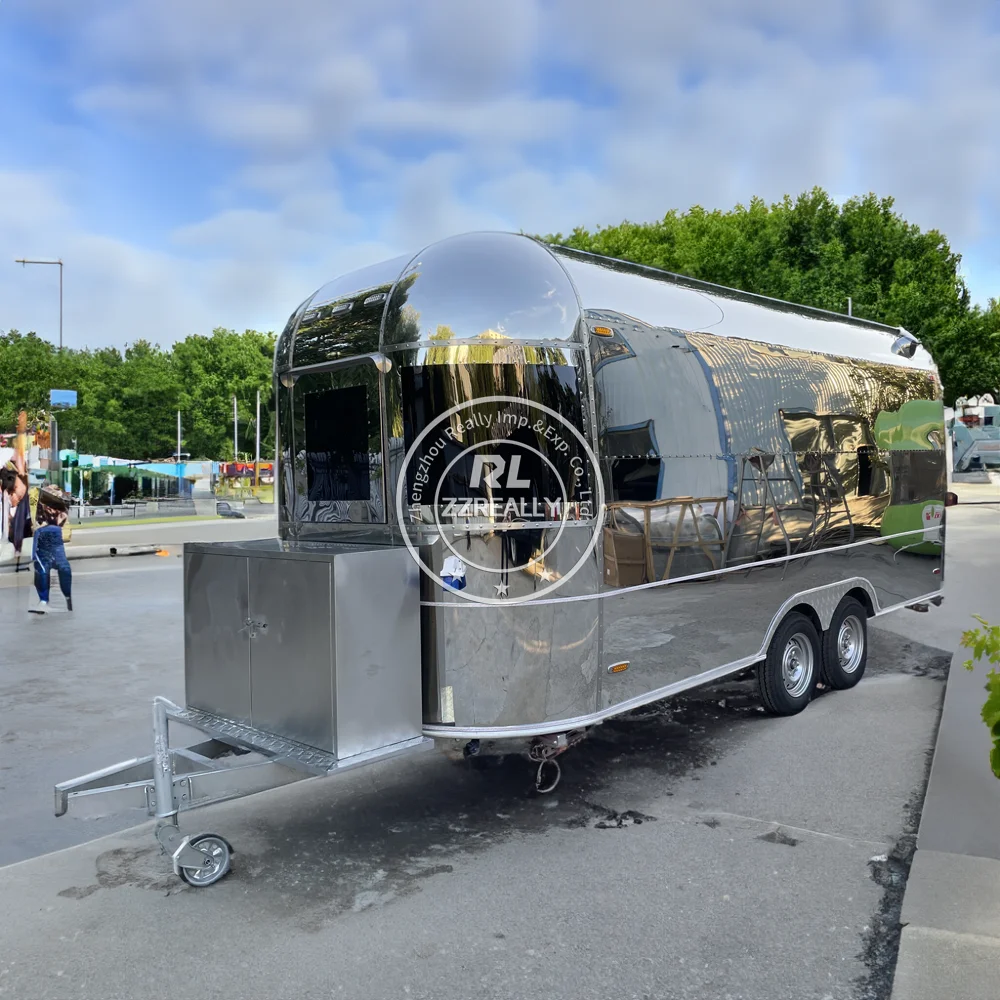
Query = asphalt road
x=700 y=849
x=259 y=525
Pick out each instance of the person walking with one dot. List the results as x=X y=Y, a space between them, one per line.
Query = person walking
x=49 y=553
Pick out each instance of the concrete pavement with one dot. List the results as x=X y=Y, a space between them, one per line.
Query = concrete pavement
x=950 y=943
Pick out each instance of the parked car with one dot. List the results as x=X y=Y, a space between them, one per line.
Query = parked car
x=224 y=509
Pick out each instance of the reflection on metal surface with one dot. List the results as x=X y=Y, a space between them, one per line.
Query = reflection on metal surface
x=486 y=352
x=544 y=470
x=644 y=542
x=482 y=285
x=905 y=345
x=342 y=319
x=665 y=300
x=345 y=690
x=832 y=595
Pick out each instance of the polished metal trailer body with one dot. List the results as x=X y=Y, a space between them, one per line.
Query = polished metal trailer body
x=601 y=485
x=748 y=457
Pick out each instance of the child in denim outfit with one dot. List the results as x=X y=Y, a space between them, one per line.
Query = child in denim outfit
x=48 y=554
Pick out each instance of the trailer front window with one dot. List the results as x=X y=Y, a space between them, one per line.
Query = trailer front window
x=338 y=446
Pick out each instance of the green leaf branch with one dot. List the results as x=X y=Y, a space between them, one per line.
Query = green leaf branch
x=984 y=642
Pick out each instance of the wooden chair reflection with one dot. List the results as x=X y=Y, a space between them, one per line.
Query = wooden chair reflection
x=629 y=555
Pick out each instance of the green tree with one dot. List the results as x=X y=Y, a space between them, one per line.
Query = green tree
x=210 y=371
x=28 y=368
x=813 y=251
x=127 y=404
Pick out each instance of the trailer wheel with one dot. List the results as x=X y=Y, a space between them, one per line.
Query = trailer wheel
x=787 y=677
x=217 y=860
x=845 y=645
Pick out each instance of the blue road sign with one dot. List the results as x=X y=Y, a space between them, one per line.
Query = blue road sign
x=62 y=399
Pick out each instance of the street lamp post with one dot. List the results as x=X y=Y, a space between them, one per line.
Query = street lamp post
x=23 y=261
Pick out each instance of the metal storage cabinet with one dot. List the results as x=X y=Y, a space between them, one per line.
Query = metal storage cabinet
x=315 y=644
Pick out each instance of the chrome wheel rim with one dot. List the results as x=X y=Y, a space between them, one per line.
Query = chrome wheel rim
x=850 y=644
x=216 y=858
x=797 y=665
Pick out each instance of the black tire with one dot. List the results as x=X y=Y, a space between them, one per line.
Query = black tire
x=845 y=645
x=787 y=677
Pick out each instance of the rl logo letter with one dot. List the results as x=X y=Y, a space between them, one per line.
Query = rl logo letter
x=496 y=465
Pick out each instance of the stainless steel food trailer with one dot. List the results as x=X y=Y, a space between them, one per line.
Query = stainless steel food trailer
x=523 y=489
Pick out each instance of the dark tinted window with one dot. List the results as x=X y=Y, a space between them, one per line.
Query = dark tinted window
x=634 y=479
x=633 y=461
x=337 y=444
x=337 y=459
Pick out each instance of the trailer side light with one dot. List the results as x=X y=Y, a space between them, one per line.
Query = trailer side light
x=602 y=331
x=618 y=668
x=372 y=299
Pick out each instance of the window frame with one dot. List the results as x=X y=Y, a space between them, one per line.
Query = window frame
x=372 y=376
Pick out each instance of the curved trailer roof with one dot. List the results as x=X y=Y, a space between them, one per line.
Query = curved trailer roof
x=506 y=282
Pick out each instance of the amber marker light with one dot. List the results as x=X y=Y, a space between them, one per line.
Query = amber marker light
x=602 y=331
x=618 y=668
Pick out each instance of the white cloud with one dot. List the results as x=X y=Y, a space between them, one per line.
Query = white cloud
x=352 y=131
x=251 y=274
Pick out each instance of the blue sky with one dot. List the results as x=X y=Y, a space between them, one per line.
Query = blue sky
x=205 y=163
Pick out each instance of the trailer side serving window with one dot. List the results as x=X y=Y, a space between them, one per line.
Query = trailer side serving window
x=338 y=446
x=634 y=462
x=835 y=454
x=503 y=456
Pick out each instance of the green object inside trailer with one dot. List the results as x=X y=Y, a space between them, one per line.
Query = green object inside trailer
x=914 y=435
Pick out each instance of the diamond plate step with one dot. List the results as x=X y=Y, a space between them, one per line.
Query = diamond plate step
x=286 y=751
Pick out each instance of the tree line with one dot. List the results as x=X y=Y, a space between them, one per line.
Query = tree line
x=815 y=252
x=127 y=402
x=808 y=250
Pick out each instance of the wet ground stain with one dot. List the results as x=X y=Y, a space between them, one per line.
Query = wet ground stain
x=778 y=837
x=138 y=867
x=890 y=653
x=382 y=843
x=387 y=842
